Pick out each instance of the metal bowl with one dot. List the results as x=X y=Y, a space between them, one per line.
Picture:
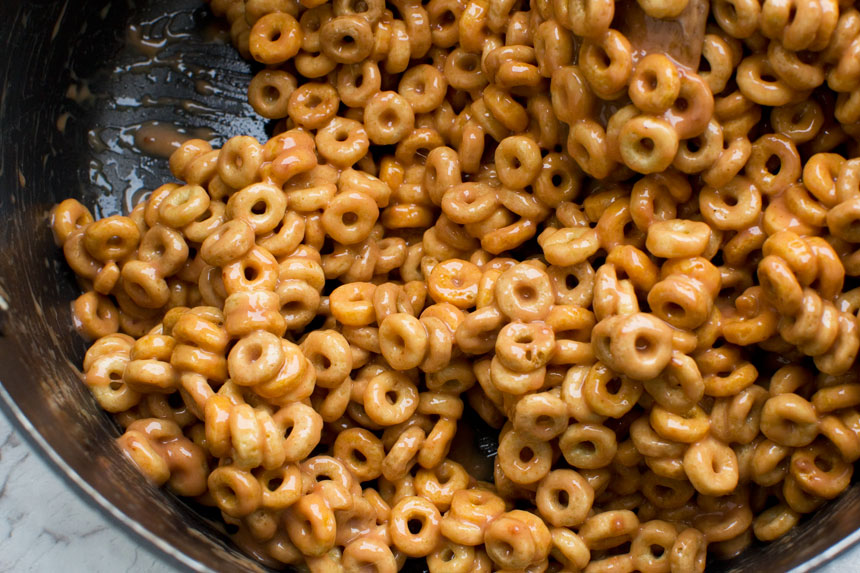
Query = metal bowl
x=79 y=81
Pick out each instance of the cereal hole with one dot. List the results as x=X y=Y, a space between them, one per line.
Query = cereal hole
x=643 y=343
x=602 y=342
x=293 y=307
x=601 y=58
x=443 y=476
x=524 y=338
x=663 y=491
x=732 y=11
x=651 y=80
x=562 y=497
x=175 y=401
x=349 y=218
x=274 y=483
x=694 y=145
x=526 y=454
x=614 y=386
x=628 y=229
x=525 y=292
x=102 y=311
x=259 y=208
x=388 y=118
x=673 y=310
x=768 y=77
x=657 y=550
x=823 y=464
x=415 y=526
x=470 y=63
x=205 y=214
x=646 y=144
x=586 y=448
x=228 y=496
x=773 y=164
x=451 y=384
x=271 y=94
x=138 y=291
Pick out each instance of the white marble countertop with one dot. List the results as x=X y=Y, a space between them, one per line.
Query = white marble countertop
x=45 y=526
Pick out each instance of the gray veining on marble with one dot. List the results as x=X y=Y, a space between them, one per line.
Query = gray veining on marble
x=45 y=526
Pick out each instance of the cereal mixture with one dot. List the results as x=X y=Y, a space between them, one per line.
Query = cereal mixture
x=625 y=236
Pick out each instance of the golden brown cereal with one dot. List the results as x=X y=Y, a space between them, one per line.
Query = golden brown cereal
x=638 y=345
x=517 y=539
x=524 y=292
x=164 y=454
x=275 y=38
x=655 y=84
x=414 y=543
